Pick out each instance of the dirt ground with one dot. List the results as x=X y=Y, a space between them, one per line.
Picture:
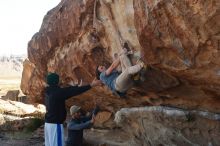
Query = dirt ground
x=20 y=139
x=22 y=142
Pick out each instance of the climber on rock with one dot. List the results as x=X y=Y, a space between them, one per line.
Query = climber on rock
x=119 y=83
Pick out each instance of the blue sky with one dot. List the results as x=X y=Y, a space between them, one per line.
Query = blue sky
x=20 y=20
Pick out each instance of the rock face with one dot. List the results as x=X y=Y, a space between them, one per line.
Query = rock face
x=169 y=126
x=16 y=115
x=159 y=126
x=179 y=39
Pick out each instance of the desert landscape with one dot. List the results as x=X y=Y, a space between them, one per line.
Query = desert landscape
x=9 y=83
x=13 y=125
x=10 y=73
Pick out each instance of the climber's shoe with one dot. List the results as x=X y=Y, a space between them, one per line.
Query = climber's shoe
x=136 y=77
x=145 y=67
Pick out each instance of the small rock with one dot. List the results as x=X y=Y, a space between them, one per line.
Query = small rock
x=11 y=95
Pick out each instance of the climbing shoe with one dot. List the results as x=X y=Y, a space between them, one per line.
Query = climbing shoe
x=136 y=77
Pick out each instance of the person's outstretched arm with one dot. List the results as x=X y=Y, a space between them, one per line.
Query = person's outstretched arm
x=75 y=126
x=113 y=66
x=76 y=90
x=85 y=125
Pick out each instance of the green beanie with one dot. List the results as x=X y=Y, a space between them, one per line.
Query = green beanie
x=52 y=79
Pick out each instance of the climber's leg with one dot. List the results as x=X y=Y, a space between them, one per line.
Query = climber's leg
x=125 y=62
x=124 y=80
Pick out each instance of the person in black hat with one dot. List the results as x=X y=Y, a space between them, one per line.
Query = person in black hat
x=55 y=97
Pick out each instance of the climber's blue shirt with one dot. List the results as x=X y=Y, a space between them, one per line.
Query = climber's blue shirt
x=110 y=79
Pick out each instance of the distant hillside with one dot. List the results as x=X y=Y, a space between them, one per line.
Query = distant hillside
x=11 y=66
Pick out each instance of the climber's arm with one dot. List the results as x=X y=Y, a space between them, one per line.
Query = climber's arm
x=112 y=67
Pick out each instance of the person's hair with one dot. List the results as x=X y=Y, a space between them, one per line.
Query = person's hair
x=97 y=72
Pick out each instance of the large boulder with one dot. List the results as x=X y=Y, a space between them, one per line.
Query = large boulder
x=178 y=39
x=16 y=115
x=159 y=126
x=169 y=126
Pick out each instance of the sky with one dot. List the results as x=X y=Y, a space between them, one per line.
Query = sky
x=19 y=21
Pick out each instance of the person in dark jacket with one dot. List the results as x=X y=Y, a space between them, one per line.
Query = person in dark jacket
x=77 y=124
x=55 y=97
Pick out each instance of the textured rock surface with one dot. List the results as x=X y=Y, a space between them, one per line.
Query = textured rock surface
x=179 y=39
x=160 y=126
x=170 y=126
x=28 y=77
x=16 y=115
